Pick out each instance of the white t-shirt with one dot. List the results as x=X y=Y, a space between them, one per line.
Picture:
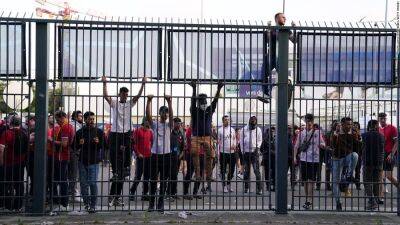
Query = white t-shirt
x=250 y=139
x=312 y=153
x=121 y=116
x=226 y=139
x=161 y=138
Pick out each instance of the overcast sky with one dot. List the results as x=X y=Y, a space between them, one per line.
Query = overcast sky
x=297 y=10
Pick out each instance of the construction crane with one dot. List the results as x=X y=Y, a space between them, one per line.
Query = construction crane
x=56 y=8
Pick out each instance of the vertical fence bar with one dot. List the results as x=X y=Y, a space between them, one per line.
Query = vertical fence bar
x=282 y=121
x=42 y=99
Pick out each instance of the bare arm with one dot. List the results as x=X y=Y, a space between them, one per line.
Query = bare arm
x=105 y=92
x=215 y=100
x=149 y=117
x=136 y=98
x=168 y=98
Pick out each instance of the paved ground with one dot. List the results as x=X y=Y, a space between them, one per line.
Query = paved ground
x=209 y=218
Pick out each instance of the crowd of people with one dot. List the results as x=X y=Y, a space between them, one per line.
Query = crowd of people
x=163 y=146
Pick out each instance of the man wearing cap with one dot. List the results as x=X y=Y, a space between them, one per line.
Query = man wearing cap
x=201 y=118
x=250 y=143
x=390 y=134
x=227 y=147
x=120 y=138
x=178 y=139
x=142 y=142
x=160 y=151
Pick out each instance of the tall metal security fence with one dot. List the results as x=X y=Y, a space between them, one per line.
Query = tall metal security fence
x=135 y=116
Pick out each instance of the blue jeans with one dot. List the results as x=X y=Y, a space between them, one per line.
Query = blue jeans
x=88 y=178
x=349 y=161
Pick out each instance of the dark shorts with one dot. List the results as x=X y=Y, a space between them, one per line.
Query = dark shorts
x=388 y=165
x=309 y=171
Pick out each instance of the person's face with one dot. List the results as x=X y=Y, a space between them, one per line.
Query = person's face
x=202 y=103
x=253 y=121
x=146 y=124
x=60 y=120
x=309 y=124
x=79 y=118
x=31 y=124
x=123 y=96
x=225 y=121
x=51 y=120
x=164 y=115
x=347 y=125
x=177 y=125
x=338 y=127
x=90 y=121
x=382 y=121
x=280 y=20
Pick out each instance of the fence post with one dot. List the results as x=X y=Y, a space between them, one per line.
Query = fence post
x=42 y=99
x=282 y=121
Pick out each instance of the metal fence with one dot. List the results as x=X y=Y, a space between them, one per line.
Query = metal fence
x=59 y=158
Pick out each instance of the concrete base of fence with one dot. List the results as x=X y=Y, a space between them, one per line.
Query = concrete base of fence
x=207 y=218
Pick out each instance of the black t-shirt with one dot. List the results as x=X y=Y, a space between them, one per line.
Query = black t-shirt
x=201 y=120
x=89 y=152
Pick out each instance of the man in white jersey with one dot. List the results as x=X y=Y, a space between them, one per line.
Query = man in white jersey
x=227 y=148
x=160 y=151
x=250 y=143
x=120 y=138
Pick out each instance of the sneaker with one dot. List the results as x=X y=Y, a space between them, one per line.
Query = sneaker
x=379 y=201
x=226 y=189
x=347 y=193
x=240 y=176
x=371 y=206
x=307 y=205
x=246 y=191
x=170 y=199
x=338 y=206
x=196 y=196
x=77 y=199
x=92 y=210
x=187 y=197
x=230 y=188
x=203 y=191
x=111 y=201
x=259 y=192
x=118 y=202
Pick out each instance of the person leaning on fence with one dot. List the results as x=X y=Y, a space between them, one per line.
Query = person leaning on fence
x=73 y=170
x=357 y=176
x=178 y=140
x=120 y=138
x=344 y=158
x=201 y=118
x=60 y=147
x=308 y=144
x=161 y=150
x=13 y=148
x=227 y=157
x=372 y=160
x=250 y=142
x=89 y=141
x=142 y=141
x=390 y=134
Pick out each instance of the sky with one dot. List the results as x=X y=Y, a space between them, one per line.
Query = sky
x=228 y=10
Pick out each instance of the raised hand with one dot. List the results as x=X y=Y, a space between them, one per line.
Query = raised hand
x=104 y=78
x=168 y=98
x=220 y=85
x=150 y=97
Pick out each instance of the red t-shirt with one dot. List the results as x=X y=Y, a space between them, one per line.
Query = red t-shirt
x=57 y=151
x=15 y=151
x=390 y=134
x=142 y=141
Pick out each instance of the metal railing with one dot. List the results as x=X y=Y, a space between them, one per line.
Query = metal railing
x=276 y=75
